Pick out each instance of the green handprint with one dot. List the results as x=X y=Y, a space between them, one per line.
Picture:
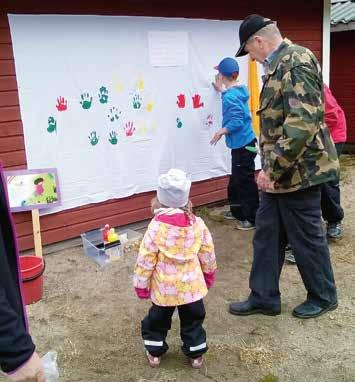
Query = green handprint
x=137 y=101
x=94 y=140
x=86 y=101
x=113 y=138
x=52 y=125
x=178 y=123
x=103 y=94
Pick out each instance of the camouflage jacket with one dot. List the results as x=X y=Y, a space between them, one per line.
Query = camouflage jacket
x=296 y=148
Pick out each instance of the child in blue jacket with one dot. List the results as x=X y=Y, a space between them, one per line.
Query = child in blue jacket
x=240 y=138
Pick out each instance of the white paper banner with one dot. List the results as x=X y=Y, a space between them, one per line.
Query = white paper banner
x=108 y=103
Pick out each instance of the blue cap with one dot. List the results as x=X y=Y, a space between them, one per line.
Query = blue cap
x=228 y=66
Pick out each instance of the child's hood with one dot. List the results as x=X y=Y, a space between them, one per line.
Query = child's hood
x=242 y=92
x=180 y=236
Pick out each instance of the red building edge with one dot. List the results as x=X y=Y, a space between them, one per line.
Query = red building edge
x=342 y=77
x=301 y=22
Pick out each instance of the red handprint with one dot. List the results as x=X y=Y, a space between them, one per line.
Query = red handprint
x=61 y=104
x=129 y=129
x=196 y=101
x=181 y=101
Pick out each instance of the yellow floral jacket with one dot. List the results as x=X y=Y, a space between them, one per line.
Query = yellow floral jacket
x=174 y=255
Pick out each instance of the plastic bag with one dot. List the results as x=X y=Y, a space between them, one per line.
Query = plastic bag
x=50 y=367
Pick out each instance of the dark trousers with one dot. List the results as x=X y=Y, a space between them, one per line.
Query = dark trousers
x=243 y=193
x=157 y=323
x=296 y=216
x=330 y=201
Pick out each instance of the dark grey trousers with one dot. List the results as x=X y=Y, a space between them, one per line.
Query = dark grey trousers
x=296 y=216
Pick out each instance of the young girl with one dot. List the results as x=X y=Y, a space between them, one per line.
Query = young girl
x=240 y=138
x=176 y=265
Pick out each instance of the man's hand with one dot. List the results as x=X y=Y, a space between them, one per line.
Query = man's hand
x=264 y=182
x=218 y=135
x=32 y=371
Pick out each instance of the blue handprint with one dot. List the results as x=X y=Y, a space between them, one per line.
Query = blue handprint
x=113 y=138
x=103 y=94
x=52 y=125
x=86 y=101
x=137 y=101
x=94 y=139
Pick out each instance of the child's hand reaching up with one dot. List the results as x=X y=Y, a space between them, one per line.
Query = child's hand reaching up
x=143 y=293
x=218 y=135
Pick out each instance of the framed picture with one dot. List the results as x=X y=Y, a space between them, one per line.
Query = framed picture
x=32 y=189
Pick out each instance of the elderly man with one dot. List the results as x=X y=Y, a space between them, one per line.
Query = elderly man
x=17 y=351
x=298 y=156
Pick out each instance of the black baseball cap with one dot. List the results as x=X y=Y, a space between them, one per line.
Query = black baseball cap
x=249 y=26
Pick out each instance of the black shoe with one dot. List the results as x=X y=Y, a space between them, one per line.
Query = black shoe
x=310 y=310
x=247 y=308
x=334 y=231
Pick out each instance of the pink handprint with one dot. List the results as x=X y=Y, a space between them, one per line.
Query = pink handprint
x=129 y=129
x=196 y=101
x=61 y=104
x=209 y=120
x=181 y=101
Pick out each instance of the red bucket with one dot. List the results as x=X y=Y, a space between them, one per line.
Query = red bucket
x=32 y=268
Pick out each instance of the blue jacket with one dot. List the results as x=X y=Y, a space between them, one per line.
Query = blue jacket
x=236 y=117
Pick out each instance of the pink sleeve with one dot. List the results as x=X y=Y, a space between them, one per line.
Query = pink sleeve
x=143 y=293
x=210 y=278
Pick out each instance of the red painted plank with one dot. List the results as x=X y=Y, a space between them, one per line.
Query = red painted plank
x=9 y=98
x=3 y=20
x=7 y=83
x=8 y=144
x=6 y=52
x=10 y=113
x=7 y=67
x=8 y=129
x=5 y=36
x=14 y=158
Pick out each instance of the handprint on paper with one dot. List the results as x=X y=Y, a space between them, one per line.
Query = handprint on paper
x=94 y=139
x=52 y=125
x=61 y=104
x=181 y=102
x=113 y=138
x=209 y=120
x=114 y=114
x=86 y=101
x=103 y=95
x=178 y=123
x=140 y=84
x=149 y=106
x=142 y=128
x=137 y=101
x=196 y=101
x=129 y=129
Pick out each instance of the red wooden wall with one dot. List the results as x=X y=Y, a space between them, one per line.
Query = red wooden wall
x=299 y=21
x=342 y=75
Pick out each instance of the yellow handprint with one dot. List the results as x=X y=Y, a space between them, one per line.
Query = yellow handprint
x=140 y=84
x=142 y=128
x=118 y=85
x=149 y=106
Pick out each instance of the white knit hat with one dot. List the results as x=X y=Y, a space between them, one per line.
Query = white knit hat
x=173 y=188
